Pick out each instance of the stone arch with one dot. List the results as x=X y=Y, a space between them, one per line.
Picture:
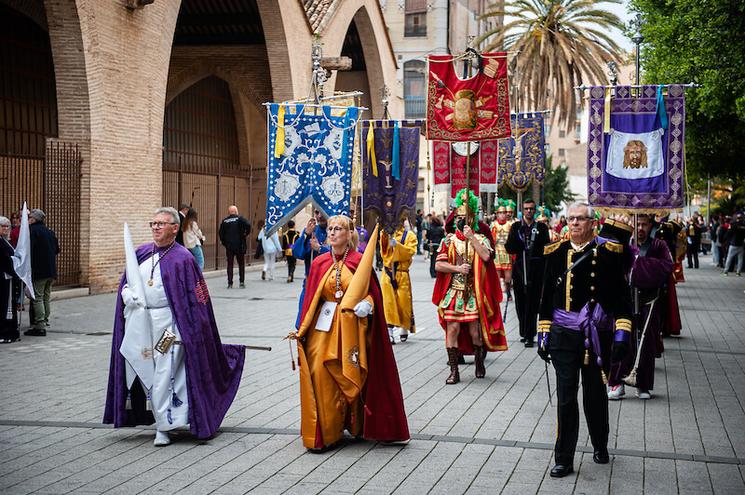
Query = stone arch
x=333 y=37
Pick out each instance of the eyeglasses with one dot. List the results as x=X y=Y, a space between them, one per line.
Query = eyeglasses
x=578 y=219
x=528 y=207
x=160 y=225
x=335 y=229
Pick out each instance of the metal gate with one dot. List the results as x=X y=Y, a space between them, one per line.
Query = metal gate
x=53 y=185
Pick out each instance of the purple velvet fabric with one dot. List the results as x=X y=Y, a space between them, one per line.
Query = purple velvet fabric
x=590 y=320
x=213 y=369
x=649 y=273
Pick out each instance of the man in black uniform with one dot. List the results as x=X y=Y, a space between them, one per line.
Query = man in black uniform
x=526 y=240
x=585 y=305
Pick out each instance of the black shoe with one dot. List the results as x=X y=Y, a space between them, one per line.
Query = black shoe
x=529 y=343
x=522 y=339
x=561 y=470
x=601 y=457
x=243 y=286
x=230 y=286
x=35 y=332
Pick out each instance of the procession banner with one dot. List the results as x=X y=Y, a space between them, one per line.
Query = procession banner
x=636 y=149
x=449 y=164
x=390 y=161
x=522 y=157
x=472 y=109
x=310 y=156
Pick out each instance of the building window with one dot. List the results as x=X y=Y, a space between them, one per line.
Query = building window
x=415 y=89
x=416 y=18
x=415 y=24
x=562 y=134
x=562 y=152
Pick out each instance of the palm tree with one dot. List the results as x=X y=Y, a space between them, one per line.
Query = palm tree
x=561 y=44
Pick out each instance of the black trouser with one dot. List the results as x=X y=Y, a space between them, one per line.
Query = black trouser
x=527 y=301
x=692 y=254
x=432 y=259
x=241 y=258
x=291 y=262
x=567 y=351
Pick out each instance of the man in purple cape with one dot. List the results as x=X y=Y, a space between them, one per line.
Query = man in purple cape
x=195 y=379
x=650 y=271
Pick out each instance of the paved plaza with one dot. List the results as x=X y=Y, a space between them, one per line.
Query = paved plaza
x=481 y=436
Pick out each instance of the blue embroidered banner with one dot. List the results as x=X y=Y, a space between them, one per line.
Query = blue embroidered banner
x=528 y=131
x=635 y=154
x=312 y=163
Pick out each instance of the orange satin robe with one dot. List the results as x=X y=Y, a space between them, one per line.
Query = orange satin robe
x=333 y=370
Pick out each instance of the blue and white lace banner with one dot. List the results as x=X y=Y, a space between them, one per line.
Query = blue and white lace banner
x=315 y=163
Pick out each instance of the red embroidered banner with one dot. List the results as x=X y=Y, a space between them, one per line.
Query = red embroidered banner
x=472 y=109
x=449 y=162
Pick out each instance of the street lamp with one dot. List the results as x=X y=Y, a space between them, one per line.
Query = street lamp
x=636 y=25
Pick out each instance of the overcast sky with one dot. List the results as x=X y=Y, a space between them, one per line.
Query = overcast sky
x=621 y=11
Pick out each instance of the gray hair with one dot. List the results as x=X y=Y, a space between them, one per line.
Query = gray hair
x=5 y=221
x=37 y=215
x=581 y=204
x=167 y=210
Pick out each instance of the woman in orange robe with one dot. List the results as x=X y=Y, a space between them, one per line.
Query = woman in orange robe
x=348 y=375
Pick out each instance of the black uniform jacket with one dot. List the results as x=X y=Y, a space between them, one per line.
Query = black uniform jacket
x=600 y=278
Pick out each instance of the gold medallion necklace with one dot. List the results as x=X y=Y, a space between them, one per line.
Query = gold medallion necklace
x=150 y=281
x=339 y=293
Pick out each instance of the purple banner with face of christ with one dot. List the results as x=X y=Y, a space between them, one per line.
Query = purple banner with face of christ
x=637 y=162
x=387 y=196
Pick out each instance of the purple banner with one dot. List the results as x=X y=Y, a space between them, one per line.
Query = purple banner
x=530 y=167
x=387 y=196
x=637 y=164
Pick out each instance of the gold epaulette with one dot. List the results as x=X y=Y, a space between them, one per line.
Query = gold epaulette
x=550 y=248
x=613 y=247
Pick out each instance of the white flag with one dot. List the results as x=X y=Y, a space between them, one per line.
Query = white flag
x=137 y=344
x=22 y=255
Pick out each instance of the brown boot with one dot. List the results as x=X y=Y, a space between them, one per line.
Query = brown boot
x=478 y=360
x=453 y=362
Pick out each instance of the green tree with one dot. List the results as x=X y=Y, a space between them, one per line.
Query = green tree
x=555 y=188
x=561 y=44
x=701 y=41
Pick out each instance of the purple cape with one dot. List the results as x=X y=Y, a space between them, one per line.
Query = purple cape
x=213 y=369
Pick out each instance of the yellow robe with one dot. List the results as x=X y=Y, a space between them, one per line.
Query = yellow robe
x=333 y=369
x=399 y=311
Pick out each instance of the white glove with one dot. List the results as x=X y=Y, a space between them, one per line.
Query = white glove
x=393 y=242
x=130 y=299
x=363 y=309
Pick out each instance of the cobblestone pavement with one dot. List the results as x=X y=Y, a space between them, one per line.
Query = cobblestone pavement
x=481 y=436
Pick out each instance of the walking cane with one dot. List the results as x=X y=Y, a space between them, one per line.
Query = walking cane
x=630 y=379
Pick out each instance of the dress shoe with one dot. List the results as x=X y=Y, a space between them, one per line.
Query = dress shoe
x=522 y=340
x=561 y=470
x=601 y=456
x=35 y=332
x=161 y=439
x=230 y=286
x=242 y=285
x=529 y=343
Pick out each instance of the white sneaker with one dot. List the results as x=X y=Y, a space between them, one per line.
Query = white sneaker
x=643 y=394
x=161 y=439
x=403 y=334
x=391 y=336
x=616 y=392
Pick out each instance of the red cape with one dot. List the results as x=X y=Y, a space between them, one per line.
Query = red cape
x=385 y=417
x=489 y=295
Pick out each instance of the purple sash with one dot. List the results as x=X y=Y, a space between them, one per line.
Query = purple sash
x=590 y=320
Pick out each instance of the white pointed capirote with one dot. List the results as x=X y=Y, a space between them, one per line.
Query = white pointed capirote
x=22 y=254
x=137 y=344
